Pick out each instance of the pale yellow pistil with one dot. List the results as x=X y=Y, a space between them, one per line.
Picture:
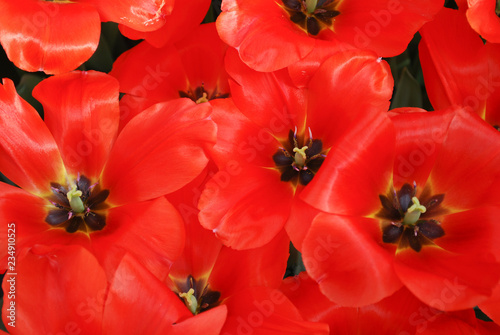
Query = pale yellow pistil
x=413 y=213
x=75 y=201
x=300 y=155
x=311 y=5
x=204 y=98
x=190 y=299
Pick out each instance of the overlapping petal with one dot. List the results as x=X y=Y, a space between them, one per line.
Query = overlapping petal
x=343 y=254
x=383 y=26
x=84 y=132
x=29 y=156
x=168 y=137
x=453 y=62
x=182 y=18
x=483 y=18
x=143 y=16
x=48 y=275
x=49 y=36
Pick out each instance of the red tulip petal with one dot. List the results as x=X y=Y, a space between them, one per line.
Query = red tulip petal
x=170 y=137
x=236 y=270
x=400 y=313
x=151 y=231
x=419 y=137
x=81 y=110
x=488 y=328
x=28 y=153
x=299 y=222
x=344 y=255
x=240 y=142
x=152 y=73
x=281 y=104
x=202 y=247
x=483 y=19
x=242 y=25
x=146 y=304
x=302 y=71
x=447 y=281
x=491 y=306
x=356 y=171
x=453 y=62
x=48 y=36
x=246 y=210
x=383 y=26
x=492 y=85
x=266 y=311
x=467 y=163
x=334 y=107
x=146 y=15
x=460 y=238
x=23 y=215
x=185 y=16
x=130 y=106
x=58 y=277
x=207 y=323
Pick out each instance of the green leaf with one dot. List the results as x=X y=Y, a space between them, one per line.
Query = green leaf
x=408 y=92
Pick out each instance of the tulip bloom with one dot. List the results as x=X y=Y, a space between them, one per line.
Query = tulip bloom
x=98 y=304
x=81 y=184
x=271 y=35
x=400 y=212
x=180 y=20
x=459 y=69
x=58 y=36
x=483 y=17
x=192 y=68
x=212 y=278
x=269 y=153
x=400 y=313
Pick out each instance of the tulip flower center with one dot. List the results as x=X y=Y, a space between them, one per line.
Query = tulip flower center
x=409 y=221
x=299 y=162
x=197 y=296
x=312 y=15
x=80 y=207
x=200 y=95
x=497 y=8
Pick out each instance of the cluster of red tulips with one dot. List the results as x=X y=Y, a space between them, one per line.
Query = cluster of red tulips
x=254 y=174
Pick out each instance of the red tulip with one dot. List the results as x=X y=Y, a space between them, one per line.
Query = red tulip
x=401 y=213
x=268 y=153
x=192 y=68
x=81 y=184
x=58 y=36
x=271 y=35
x=401 y=313
x=459 y=69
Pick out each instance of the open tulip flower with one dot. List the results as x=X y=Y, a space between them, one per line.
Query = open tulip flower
x=83 y=184
x=192 y=68
x=483 y=17
x=58 y=36
x=422 y=214
x=408 y=314
x=292 y=27
x=250 y=167
x=463 y=72
x=238 y=288
x=269 y=152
